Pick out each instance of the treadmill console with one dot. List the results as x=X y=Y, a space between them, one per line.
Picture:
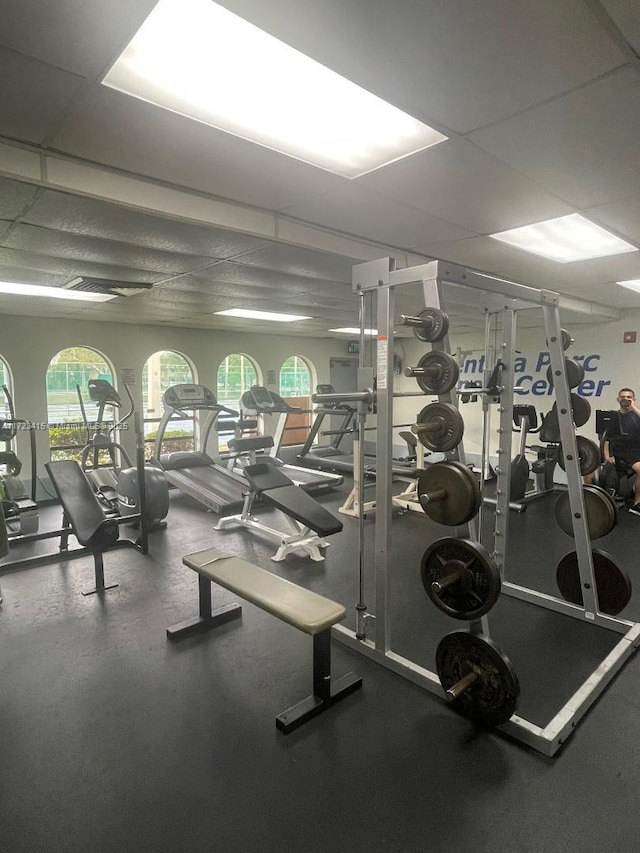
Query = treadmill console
x=259 y=399
x=189 y=397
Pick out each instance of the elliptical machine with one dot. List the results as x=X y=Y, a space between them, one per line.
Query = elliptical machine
x=116 y=483
x=20 y=509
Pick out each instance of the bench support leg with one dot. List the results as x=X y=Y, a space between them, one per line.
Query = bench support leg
x=325 y=693
x=98 y=567
x=208 y=617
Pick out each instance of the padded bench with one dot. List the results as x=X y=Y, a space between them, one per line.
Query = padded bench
x=303 y=609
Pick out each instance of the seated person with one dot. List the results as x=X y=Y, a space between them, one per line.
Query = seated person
x=626 y=441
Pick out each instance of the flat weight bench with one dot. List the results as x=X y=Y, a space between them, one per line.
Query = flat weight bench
x=302 y=512
x=305 y=610
x=86 y=517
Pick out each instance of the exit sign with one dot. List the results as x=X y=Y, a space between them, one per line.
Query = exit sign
x=629 y=338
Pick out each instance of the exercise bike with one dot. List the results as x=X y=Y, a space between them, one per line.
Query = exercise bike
x=116 y=483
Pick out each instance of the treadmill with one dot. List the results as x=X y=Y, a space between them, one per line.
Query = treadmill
x=260 y=400
x=194 y=472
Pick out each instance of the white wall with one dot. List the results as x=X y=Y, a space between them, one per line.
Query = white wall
x=29 y=344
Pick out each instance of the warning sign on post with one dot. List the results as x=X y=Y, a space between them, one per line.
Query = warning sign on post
x=383 y=347
x=128 y=376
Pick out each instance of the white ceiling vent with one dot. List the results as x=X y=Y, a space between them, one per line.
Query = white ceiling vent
x=108 y=286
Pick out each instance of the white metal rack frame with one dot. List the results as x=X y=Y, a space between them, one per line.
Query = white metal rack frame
x=493 y=296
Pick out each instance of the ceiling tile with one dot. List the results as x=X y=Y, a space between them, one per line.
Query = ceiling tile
x=461 y=63
x=624 y=14
x=354 y=210
x=33 y=97
x=70 y=268
x=24 y=275
x=622 y=216
x=299 y=261
x=79 y=35
x=79 y=215
x=465 y=186
x=14 y=198
x=584 y=147
x=162 y=144
x=95 y=250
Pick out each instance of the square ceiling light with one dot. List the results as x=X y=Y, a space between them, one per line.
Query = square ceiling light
x=261 y=315
x=632 y=284
x=565 y=239
x=200 y=60
x=15 y=289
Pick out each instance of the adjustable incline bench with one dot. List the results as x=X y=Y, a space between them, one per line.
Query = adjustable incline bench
x=87 y=519
x=309 y=612
x=302 y=513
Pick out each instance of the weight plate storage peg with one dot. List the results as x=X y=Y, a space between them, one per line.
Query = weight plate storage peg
x=588 y=454
x=460 y=577
x=575 y=373
x=600 y=509
x=437 y=372
x=613 y=584
x=477 y=677
x=580 y=408
x=430 y=325
x=449 y=493
x=440 y=427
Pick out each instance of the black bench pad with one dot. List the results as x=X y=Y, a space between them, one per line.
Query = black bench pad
x=299 y=505
x=87 y=517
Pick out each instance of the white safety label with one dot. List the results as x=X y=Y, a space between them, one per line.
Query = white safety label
x=128 y=376
x=383 y=347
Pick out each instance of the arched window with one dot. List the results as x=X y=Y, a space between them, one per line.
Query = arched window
x=295 y=388
x=162 y=370
x=69 y=369
x=5 y=412
x=236 y=374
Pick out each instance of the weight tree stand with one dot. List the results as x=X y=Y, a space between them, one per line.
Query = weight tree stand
x=499 y=299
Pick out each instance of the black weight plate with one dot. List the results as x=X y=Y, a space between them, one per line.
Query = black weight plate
x=493 y=698
x=580 y=408
x=440 y=427
x=445 y=372
x=600 y=509
x=567 y=339
x=588 y=454
x=463 y=497
x=436 y=325
x=612 y=583
x=575 y=373
x=478 y=582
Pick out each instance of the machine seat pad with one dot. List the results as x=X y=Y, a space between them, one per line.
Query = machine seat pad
x=264 y=475
x=253 y=442
x=184 y=459
x=297 y=504
x=302 y=608
x=87 y=516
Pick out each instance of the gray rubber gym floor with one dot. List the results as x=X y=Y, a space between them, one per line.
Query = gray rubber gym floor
x=113 y=739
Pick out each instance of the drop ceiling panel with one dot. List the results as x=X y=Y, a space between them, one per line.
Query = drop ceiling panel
x=95 y=250
x=299 y=261
x=241 y=274
x=70 y=268
x=624 y=14
x=355 y=210
x=24 y=275
x=33 y=96
x=460 y=183
x=79 y=215
x=79 y=35
x=14 y=198
x=584 y=146
x=162 y=144
x=462 y=63
x=622 y=216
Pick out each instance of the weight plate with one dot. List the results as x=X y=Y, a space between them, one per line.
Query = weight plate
x=441 y=372
x=567 y=339
x=580 y=411
x=492 y=698
x=588 y=454
x=436 y=325
x=613 y=584
x=462 y=493
x=600 y=509
x=575 y=373
x=460 y=577
x=440 y=427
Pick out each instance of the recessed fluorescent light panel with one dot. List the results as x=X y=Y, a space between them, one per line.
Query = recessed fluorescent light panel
x=633 y=284
x=565 y=239
x=261 y=315
x=355 y=331
x=197 y=59
x=15 y=289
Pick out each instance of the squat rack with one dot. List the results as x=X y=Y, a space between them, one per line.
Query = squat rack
x=504 y=298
